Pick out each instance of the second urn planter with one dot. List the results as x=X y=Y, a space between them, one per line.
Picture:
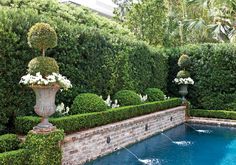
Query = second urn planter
x=183 y=90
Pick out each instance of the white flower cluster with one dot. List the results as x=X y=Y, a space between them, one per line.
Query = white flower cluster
x=62 y=110
x=143 y=98
x=180 y=81
x=166 y=97
x=38 y=79
x=108 y=102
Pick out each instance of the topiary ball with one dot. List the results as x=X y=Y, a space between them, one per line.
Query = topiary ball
x=127 y=97
x=45 y=65
x=42 y=36
x=183 y=74
x=87 y=102
x=154 y=94
x=184 y=61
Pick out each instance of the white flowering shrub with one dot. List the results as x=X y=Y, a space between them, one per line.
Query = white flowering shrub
x=38 y=79
x=143 y=98
x=186 y=81
x=61 y=110
x=110 y=103
x=166 y=97
x=115 y=104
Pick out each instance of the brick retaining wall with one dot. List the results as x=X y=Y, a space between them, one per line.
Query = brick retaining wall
x=84 y=146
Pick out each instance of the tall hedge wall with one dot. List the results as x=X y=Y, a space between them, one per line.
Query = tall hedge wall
x=96 y=54
x=214 y=72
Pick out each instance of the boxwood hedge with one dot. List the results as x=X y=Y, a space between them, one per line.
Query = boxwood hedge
x=89 y=120
x=16 y=157
x=221 y=114
x=96 y=54
x=9 y=142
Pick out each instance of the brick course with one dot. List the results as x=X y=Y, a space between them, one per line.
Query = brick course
x=84 y=146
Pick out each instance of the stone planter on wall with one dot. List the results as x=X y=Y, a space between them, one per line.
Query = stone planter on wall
x=45 y=105
x=183 y=90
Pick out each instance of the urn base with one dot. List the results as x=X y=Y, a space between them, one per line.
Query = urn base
x=44 y=126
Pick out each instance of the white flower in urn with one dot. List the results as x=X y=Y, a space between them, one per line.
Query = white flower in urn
x=49 y=80
x=186 y=81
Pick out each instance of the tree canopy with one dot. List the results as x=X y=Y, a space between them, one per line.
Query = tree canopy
x=178 y=22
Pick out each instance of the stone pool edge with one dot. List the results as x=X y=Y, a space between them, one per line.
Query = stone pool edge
x=212 y=121
x=81 y=147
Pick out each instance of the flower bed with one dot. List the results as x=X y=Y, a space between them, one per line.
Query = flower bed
x=221 y=114
x=90 y=120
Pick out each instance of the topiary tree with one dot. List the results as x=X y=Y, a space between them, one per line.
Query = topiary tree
x=154 y=94
x=184 y=61
x=183 y=74
x=183 y=78
x=42 y=36
x=127 y=97
x=87 y=102
x=43 y=76
x=44 y=65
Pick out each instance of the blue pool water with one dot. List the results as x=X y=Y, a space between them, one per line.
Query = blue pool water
x=215 y=148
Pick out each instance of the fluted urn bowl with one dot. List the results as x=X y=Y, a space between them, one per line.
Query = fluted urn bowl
x=183 y=90
x=45 y=105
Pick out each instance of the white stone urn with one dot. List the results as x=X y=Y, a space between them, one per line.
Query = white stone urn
x=45 y=105
x=183 y=91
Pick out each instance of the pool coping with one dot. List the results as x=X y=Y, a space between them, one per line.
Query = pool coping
x=211 y=121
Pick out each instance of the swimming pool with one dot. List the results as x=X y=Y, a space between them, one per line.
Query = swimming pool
x=189 y=146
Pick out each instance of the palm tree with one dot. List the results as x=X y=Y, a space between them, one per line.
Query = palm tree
x=211 y=18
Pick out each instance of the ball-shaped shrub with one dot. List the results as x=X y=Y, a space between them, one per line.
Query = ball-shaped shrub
x=127 y=97
x=184 y=61
x=183 y=74
x=44 y=65
x=87 y=102
x=42 y=36
x=154 y=94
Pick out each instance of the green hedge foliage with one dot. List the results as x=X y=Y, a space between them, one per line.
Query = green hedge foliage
x=16 y=157
x=127 y=97
x=97 y=55
x=90 y=120
x=87 y=102
x=45 y=65
x=221 y=114
x=213 y=70
x=154 y=94
x=44 y=148
x=9 y=142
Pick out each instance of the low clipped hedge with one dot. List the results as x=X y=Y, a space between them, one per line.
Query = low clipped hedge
x=221 y=114
x=9 y=142
x=90 y=120
x=16 y=157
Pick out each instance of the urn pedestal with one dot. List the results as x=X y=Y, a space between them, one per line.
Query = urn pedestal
x=45 y=106
x=183 y=91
